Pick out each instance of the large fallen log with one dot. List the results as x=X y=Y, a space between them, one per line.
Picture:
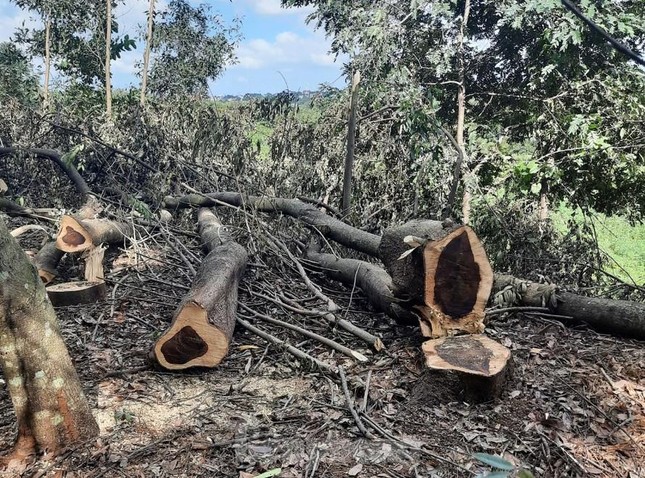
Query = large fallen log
x=615 y=316
x=202 y=326
x=330 y=227
x=46 y=261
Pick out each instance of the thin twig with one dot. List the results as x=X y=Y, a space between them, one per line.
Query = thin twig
x=348 y=401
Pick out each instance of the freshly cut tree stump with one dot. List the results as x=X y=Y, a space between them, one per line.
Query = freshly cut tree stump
x=447 y=277
x=481 y=363
x=75 y=293
x=78 y=235
x=202 y=327
x=46 y=261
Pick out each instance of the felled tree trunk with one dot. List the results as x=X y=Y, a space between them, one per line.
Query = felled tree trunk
x=447 y=276
x=331 y=227
x=50 y=406
x=202 y=327
x=78 y=235
x=482 y=364
x=616 y=316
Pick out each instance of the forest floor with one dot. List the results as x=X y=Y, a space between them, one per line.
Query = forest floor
x=574 y=407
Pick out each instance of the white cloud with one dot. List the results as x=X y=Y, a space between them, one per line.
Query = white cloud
x=12 y=19
x=287 y=48
x=272 y=7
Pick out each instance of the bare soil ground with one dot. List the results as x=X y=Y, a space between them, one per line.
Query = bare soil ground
x=575 y=406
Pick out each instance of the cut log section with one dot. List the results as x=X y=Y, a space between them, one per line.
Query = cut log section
x=78 y=235
x=482 y=364
x=46 y=261
x=202 y=327
x=75 y=293
x=447 y=277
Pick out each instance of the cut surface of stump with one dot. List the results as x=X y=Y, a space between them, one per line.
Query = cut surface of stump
x=458 y=282
x=481 y=363
x=78 y=235
x=75 y=293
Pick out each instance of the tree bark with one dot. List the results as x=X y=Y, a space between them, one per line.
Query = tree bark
x=48 y=25
x=375 y=283
x=351 y=140
x=50 y=406
x=202 y=327
x=616 y=316
x=146 y=52
x=46 y=262
x=78 y=235
x=108 y=58
x=461 y=106
x=330 y=227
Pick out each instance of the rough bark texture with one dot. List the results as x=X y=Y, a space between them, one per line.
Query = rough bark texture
x=50 y=406
x=77 y=235
x=375 y=283
x=203 y=324
x=46 y=261
x=330 y=227
x=481 y=363
x=448 y=276
x=616 y=316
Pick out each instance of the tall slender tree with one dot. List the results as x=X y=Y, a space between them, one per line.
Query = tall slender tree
x=146 y=51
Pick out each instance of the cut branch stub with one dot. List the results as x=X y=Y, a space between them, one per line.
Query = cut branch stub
x=77 y=235
x=46 y=261
x=481 y=363
x=202 y=327
x=458 y=282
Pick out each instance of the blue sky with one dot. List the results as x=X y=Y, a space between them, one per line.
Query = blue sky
x=276 y=42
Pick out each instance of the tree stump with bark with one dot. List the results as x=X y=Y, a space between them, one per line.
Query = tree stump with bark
x=50 y=406
x=482 y=364
x=446 y=276
x=202 y=326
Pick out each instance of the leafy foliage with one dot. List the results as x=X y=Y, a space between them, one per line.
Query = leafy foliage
x=17 y=81
x=190 y=47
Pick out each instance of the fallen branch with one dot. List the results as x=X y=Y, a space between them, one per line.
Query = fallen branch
x=78 y=235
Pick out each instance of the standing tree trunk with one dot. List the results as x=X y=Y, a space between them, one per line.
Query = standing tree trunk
x=108 y=57
x=51 y=409
x=146 y=52
x=461 y=108
x=48 y=25
x=351 y=140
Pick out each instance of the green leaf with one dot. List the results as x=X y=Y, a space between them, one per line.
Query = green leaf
x=270 y=473
x=494 y=461
x=525 y=474
x=536 y=188
x=496 y=474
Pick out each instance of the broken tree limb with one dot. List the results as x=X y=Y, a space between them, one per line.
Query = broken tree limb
x=375 y=283
x=481 y=363
x=330 y=227
x=615 y=316
x=447 y=276
x=46 y=261
x=202 y=326
x=78 y=235
x=79 y=183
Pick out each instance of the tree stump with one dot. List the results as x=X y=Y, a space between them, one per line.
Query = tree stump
x=481 y=363
x=202 y=327
x=76 y=293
